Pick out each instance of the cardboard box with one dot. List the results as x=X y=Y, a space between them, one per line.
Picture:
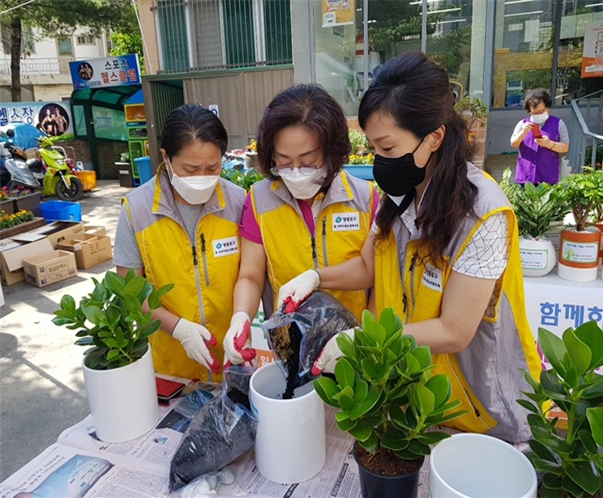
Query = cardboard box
x=95 y=230
x=14 y=251
x=58 y=231
x=89 y=250
x=49 y=268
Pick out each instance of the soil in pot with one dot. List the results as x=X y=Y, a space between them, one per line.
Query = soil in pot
x=387 y=476
x=385 y=462
x=287 y=343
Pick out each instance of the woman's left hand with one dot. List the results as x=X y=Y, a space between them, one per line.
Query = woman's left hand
x=545 y=142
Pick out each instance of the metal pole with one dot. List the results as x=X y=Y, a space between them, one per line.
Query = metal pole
x=365 y=48
x=424 y=27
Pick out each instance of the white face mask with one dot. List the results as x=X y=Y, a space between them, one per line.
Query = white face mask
x=304 y=187
x=193 y=189
x=539 y=118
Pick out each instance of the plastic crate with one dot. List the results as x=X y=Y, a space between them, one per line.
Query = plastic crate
x=135 y=113
x=145 y=170
x=88 y=179
x=61 y=211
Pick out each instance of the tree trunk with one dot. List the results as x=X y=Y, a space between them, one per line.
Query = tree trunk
x=15 y=59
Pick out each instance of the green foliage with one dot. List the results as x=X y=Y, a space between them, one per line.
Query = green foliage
x=572 y=462
x=584 y=194
x=243 y=179
x=535 y=207
x=384 y=391
x=111 y=319
x=359 y=141
x=128 y=43
x=472 y=109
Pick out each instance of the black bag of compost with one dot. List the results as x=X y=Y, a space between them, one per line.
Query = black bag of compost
x=297 y=338
x=222 y=431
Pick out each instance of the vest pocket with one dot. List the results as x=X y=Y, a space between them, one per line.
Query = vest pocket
x=477 y=419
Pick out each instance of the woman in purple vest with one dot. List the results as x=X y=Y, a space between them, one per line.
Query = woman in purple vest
x=539 y=153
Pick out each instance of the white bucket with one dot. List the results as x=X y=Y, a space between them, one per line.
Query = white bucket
x=123 y=401
x=290 y=444
x=479 y=466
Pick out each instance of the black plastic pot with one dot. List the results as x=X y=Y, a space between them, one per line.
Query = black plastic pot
x=374 y=485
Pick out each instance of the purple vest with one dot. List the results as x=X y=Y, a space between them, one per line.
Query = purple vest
x=538 y=164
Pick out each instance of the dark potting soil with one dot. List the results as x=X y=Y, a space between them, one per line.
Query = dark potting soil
x=385 y=462
x=286 y=342
x=239 y=397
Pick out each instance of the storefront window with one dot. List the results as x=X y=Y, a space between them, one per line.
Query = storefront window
x=455 y=40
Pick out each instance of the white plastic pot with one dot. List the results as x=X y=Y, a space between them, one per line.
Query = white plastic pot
x=538 y=256
x=579 y=254
x=479 y=466
x=290 y=444
x=123 y=401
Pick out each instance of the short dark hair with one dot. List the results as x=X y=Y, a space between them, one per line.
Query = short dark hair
x=534 y=97
x=416 y=93
x=190 y=123
x=313 y=108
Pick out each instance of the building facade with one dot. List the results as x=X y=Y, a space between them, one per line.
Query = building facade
x=492 y=49
x=45 y=72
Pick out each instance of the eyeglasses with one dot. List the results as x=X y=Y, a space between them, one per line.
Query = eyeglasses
x=304 y=170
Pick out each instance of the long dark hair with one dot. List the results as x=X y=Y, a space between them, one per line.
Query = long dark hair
x=313 y=108
x=416 y=93
x=190 y=123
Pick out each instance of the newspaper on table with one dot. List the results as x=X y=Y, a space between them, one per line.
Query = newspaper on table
x=79 y=465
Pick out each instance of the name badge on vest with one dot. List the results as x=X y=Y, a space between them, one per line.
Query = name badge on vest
x=432 y=278
x=225 y=247
x=345 y=222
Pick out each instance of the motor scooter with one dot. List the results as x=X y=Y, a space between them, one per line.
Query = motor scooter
x=55 y=173
x=14 y=171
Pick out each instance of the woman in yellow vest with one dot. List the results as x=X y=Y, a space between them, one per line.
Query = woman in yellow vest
x=444 y=251
x=181 y=227
x=307 y=213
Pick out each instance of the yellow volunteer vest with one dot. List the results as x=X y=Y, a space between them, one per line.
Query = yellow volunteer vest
x=486 y=377
x=342 y=227
x=204 y=272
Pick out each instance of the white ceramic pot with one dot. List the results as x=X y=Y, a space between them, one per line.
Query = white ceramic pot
x=123 y=401
x=479 y=466
x=290 y=444
x=538 y=256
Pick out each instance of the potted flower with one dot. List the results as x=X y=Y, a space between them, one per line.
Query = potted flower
x=579 y=245
x=475 y=112
x=118 y=366
x=360 y=161
x=535 y=207
x=387 y=401
x=571 y=459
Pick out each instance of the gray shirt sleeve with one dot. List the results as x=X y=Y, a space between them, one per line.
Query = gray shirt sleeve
x=125 y=251
x=563 y=134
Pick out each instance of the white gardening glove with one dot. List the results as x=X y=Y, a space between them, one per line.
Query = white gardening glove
x=294 y=292
x=329 y=355
x=237 y=343
x=193 y=336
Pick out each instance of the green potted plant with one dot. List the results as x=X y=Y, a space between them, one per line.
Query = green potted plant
x=115 y=321
x=360 y=161
x=571 y=460
x=535 y=207
x=579 y=245
x=387 y=401
x=475 y=112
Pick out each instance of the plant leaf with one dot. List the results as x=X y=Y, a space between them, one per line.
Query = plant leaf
x=93 y=314
x=361 y=431
x=595 y=419
x=582 y=474
x=579 y=353
x=590 y=333
x=326 y=389
x=394 y=440
x=344 y=373
x=553 y=349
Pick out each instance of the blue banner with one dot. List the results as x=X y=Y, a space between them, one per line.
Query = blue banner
x=106 y=71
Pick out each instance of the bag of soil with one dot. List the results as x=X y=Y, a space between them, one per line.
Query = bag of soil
x=297 y=338
x=222 y=431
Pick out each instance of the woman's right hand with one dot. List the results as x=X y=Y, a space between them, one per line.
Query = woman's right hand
x=193 y=337
x=297 y=290
x=237 y=343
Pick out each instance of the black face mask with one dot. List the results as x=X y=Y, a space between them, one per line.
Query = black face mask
x=398 y=176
